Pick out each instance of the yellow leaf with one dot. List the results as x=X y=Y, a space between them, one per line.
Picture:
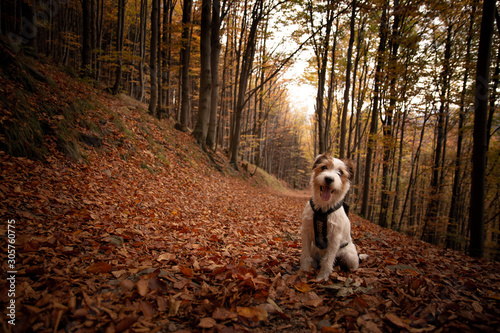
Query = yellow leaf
x=254 y=313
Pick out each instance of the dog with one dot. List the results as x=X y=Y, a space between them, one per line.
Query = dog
x=326 y=229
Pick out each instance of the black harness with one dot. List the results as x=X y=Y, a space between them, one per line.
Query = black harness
x=320 y=224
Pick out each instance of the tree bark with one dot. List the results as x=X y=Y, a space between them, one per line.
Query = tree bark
x=374 y=115
x=214 y=66
x=480 y=135
x=86 y=40
x=153 y=62
x=185 y=54
x=452 y=229
x=343 y=123
x=431 y=216
x=246 y=68
x=201 y=128
x=119 y=46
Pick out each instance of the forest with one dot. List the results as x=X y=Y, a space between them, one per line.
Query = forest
x=395 y=89
x=155 y=160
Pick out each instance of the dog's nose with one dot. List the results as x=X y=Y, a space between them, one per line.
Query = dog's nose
x=328 y=180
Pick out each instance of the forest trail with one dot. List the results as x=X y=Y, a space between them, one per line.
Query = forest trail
x=144 y=234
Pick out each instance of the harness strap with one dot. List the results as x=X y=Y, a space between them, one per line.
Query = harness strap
x=320 y=224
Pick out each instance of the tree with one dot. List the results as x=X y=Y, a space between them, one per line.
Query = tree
x=343 y=126
x=246 y=68
x=120 y=27
x=452 y=229
x=480 y=135
x=201 y=128
x=374 y=114
x=142 y=48
x=321 y=48
x=154 y=50
x=86 y=37
x=184 y=58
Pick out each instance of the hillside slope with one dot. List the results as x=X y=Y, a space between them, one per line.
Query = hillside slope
x=123 y=224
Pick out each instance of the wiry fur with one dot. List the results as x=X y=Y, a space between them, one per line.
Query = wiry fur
x=329 y=174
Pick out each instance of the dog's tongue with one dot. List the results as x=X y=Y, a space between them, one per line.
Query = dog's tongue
x=325 y=193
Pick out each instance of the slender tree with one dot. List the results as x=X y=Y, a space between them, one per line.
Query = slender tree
x=120 y=32
x=343 y=126
x=374 y=114
x=246 y=68
x=480 y=136
x=153 y=62
x=185 y=55
x=201 y=128
x=86 y=40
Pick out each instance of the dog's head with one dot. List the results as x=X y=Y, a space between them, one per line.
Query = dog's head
x=331 y=179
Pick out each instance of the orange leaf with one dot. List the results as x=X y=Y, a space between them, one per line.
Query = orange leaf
x=253 y=313
x=187 y=271
x=100 y=267
x=302 y=287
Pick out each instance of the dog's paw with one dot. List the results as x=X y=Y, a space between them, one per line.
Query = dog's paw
x=323 y=275
x=363 y=257
x=305 y=263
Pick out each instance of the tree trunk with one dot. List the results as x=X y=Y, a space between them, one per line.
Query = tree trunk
x=214 y=66
x=201 y=128
x=480 y=135
x=452 y=229
x=322 y=56
x=246 y=69
x=374 y=115
x=388 y=141
x=431 y=216
x=343 y=126
x=86 y=40
x=152 y=64
x=142 y=49
x=185 y=54
x=119 y=45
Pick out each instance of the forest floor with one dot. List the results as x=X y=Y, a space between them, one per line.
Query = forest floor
x=124 y=224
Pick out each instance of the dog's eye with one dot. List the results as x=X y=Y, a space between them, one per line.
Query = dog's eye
x=341 y=172
x=323 y=168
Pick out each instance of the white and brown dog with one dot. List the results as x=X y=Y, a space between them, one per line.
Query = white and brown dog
x=326 y=229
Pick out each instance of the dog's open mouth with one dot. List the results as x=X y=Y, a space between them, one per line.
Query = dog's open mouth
x=326 y=193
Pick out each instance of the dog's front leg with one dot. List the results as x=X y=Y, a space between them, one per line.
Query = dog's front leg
x=306 y=258
x=327 y=261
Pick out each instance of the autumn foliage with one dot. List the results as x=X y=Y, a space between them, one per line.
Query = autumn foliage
x=125 y=225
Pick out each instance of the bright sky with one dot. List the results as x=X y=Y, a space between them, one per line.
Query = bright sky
x=302 y=95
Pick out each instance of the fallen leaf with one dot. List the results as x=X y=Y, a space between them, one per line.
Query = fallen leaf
x=142 y=287
x=253 y=313
x=207 y=322
x=302 y=287
x=100 y=267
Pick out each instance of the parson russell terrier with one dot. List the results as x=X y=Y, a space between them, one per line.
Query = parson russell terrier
x=326 y=229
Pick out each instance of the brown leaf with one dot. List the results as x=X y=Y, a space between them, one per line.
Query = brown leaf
x=394 y=319
x=125 y=323
x=148 y=309
x=207 y=322
x=222 y=314
x=253 y=313
x=187 y=271
x=100 y=267
x=142 y=287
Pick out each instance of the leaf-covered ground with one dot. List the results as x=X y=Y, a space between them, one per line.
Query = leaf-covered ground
x=144 y=234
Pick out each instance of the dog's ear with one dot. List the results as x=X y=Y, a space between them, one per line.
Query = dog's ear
x=319 y=159
x=350 y=168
